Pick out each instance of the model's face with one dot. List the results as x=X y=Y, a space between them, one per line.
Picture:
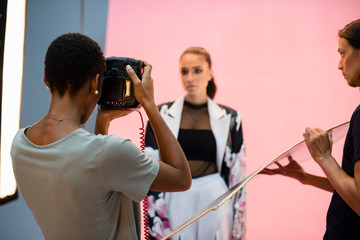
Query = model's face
x=349 y=62
x=195 y=74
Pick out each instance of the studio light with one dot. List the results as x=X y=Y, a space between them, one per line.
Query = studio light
x=12 y=74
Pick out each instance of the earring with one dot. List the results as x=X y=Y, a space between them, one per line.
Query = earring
x=96 y=92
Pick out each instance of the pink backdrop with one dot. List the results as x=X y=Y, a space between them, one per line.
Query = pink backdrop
x=274 y=61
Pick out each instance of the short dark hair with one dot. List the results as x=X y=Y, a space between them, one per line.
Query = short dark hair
x=71 y=60
x=211 y=87
x=351 y=32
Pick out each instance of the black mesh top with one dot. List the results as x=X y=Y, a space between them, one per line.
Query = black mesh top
x=198 y=144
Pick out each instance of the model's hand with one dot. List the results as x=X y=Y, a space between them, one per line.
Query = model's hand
x=319 y=143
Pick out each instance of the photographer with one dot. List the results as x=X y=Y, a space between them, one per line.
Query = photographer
x=80 y=185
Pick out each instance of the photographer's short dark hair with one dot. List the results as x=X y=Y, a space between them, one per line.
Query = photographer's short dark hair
x=211 y=87
x=71 y=60
x=351 y=32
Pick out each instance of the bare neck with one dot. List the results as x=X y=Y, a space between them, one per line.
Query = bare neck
x=196 y=99
x=63 y=117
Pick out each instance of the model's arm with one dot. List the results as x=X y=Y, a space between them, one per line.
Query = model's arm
x=320 y=146
x=174 y=173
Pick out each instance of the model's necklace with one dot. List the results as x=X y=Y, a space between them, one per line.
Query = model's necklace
x=59 y=120
x=195 y=106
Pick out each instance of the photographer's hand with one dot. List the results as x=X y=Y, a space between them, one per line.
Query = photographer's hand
x=174 y=172
x=104 y=117
x=144 y=91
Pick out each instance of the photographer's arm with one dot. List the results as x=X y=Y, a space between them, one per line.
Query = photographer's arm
x=174 y=173
x=104 y=117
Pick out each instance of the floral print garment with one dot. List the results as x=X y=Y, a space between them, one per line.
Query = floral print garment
x=232 y=171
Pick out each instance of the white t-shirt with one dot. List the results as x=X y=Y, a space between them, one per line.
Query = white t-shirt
x=83 y=186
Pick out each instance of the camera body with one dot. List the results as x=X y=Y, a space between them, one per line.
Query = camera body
x=117 y=88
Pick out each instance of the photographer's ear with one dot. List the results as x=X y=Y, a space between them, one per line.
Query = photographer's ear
x=46 y=83
x=95 y=86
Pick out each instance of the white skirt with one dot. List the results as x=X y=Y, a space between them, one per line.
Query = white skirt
x=183 y=205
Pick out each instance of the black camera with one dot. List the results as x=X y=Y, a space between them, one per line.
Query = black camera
x=117 y=88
